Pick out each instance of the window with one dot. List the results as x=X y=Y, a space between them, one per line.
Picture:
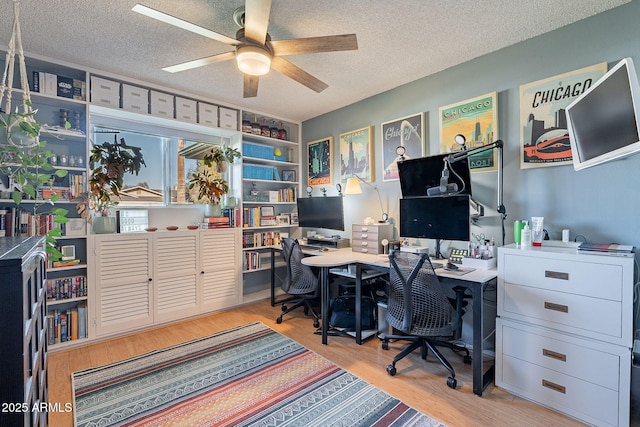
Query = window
x=165 y=178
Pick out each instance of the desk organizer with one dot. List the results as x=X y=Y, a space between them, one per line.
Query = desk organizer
x=482 y=264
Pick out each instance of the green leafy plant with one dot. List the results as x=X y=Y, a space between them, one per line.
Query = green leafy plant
x=207 y=179
x=24 y=159
x=110 y=162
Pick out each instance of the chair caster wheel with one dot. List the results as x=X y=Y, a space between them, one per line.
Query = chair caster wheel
x=385 y=345
x=316 y=324
x=284 y=307
x=391 y=370
x=452 y=382
x=467 y=360
x=279 y=320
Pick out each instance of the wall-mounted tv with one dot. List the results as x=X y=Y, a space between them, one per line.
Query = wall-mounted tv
x=604 y=122
x=420 y=174
x=321 y=212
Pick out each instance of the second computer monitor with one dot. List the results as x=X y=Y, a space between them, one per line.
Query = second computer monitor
x=440 y=218
x=418 y=175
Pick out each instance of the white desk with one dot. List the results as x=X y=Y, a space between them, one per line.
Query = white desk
x=475 y=280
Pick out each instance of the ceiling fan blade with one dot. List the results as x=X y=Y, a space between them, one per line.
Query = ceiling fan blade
x=250 y=86
x=200 y=62
x=256 y=20
x=298 y=74
x=314 y=44
x=181 y=23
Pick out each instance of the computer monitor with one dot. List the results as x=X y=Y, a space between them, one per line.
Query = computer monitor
x=604 y=122
x=440 y=218
x=321 y=212
x=418 y=175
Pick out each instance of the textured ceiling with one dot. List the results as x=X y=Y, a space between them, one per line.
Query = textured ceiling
x=399 y=42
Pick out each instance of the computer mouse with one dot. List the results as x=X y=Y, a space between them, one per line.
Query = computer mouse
x=451 y=266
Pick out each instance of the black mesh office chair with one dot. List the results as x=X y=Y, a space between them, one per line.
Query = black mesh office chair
x=419 y=308
x=301 y=283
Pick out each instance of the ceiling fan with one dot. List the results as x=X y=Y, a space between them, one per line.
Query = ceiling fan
x=255 y=52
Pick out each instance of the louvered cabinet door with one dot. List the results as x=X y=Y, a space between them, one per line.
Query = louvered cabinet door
x=176 y=274
x=123 y=283
x=219 y=269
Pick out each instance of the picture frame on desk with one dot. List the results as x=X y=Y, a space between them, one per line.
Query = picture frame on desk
x=283 y=219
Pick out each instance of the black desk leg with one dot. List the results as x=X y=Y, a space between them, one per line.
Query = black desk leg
x=358 y=303
x=324 y=302
x=273 y=277
x=480 y=379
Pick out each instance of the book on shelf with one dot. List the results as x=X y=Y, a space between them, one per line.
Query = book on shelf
x=67 y=325
x=66 y=288
x=68 y=263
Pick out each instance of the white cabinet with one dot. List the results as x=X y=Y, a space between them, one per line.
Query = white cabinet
x=175 y=276
x=219 y=267
x=143 y=279
x=123 y=293
x=564 y=332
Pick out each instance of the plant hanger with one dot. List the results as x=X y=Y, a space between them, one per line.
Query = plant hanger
x=21 y=128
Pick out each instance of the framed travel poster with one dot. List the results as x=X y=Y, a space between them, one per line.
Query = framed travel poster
x=544 y=139
x=320 y=160
x=477 y=120
x=407 y=132
x=356 y=154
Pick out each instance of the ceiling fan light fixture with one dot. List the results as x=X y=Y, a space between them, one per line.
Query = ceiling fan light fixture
x=253 y=60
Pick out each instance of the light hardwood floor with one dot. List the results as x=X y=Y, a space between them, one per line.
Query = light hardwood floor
x=420 y=384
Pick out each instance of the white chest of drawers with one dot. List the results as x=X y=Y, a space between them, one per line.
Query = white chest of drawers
x=565 y=330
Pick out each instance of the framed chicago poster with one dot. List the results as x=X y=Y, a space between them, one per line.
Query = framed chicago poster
x=544 y=139
x=320 y=160
x=356 y=154
x=477 y=120
x=407 y=132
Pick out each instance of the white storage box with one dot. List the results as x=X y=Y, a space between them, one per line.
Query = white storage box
x=186 y=110
x=228 y=118
x=482 y=264
x=135 y=99
x=207 y=114
x=161 y=104
x=105 y=92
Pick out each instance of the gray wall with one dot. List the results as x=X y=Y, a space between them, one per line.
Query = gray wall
x=600 y=203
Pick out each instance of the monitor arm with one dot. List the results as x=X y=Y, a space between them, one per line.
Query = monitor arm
x=464 y=154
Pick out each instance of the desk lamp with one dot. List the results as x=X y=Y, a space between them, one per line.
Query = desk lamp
x=353 y=187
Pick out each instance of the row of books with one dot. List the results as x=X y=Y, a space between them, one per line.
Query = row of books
x=257 y=240
x=273 y=196
x=67 y=325
x=54 y=85
x=216 y=222
x=251 y=261
x=66 y=288
x=16 y=221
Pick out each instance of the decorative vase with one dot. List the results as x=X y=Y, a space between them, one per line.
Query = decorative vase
x=212 y=210
x=103 y=224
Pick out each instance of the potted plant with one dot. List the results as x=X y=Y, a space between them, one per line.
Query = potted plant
x=24 y=159
x=221 y=156
x=208 y=182
x=109 y=164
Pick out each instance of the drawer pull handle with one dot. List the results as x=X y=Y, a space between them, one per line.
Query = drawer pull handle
x=364 y=243
x=364 y=229
x=554 y=355
x=556 y=275
x=553 y=386
x=556 y=307
x=363 y=236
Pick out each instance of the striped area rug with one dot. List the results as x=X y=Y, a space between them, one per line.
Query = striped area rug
x=246 y=376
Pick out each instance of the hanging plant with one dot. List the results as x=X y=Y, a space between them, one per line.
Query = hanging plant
x=110 y=162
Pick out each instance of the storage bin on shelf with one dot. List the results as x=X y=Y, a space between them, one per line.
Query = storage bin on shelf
x=257 y=172
x=259 y=151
